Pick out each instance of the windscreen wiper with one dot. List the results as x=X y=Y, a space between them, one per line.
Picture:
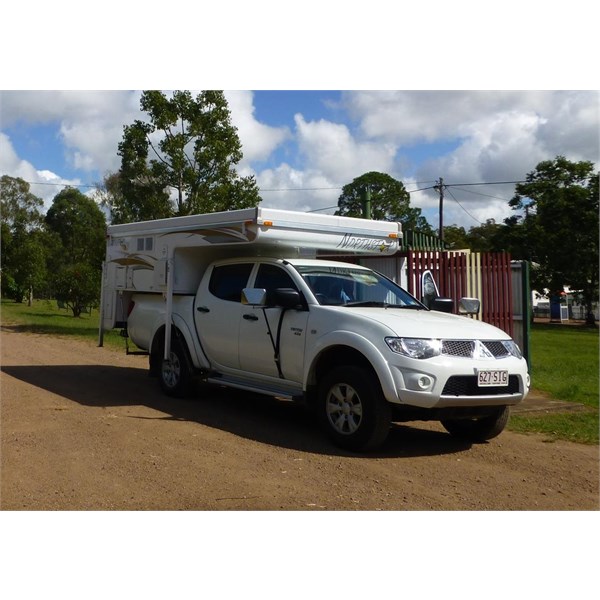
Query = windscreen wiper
x=385 y=305
x=368 y=303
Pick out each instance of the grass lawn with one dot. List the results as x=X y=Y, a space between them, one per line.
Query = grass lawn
x=564 y=364
x=44 y=316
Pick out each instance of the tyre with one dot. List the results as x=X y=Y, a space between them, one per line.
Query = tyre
x=481 y=428
x=352 y=408
x=175 y=374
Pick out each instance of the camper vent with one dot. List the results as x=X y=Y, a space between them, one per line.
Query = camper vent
x=144 y=244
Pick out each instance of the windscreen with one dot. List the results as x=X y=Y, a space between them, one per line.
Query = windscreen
x=349 y=286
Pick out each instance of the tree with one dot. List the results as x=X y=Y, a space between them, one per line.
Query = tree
x=561 y=198
x=455 y=237
x=27 y=265
x=80 y=225
x=77 y=286
x=181 y=161
x=389 y=201
x=485 y=237
x=110 y=194
x=23 y=248
x=18 y=206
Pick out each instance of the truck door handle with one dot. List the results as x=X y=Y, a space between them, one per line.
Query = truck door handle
x=250 y=317
x=202 y=309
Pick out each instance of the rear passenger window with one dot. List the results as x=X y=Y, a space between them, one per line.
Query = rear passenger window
x=228 y=281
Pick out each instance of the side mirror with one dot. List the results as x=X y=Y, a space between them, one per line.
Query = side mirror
x=254 y=296
x=284 y=297
x=287 y=298
x=429 y=289
x=469 y=306
x=442 y=304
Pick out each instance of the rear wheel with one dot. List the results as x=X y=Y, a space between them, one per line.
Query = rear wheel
x=175 y=374
x=479 y=429
x=352 y=408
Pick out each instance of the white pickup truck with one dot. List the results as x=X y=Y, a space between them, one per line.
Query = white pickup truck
x=239 y=299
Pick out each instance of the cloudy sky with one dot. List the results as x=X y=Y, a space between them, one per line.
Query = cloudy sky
x=303 y=146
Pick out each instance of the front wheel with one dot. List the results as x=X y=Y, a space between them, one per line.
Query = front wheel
x=175 y=374
x=352 y=408
x=479 y=429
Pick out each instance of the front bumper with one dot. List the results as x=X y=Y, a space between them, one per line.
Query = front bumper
x=448 y=381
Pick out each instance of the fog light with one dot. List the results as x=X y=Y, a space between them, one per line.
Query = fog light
x=424 y=382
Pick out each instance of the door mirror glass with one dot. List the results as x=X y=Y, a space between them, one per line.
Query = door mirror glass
x=469 y=306
x=254 y=296
x=429 y=289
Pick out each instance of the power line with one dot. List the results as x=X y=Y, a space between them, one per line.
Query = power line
x=431 y=187
x=317 y=189
x=88 y=185
x=319 y=209
x=457 y=202
x=301 y=189
x=482 y=194
x=485 y=183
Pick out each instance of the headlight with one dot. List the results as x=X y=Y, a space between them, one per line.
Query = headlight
x=414 y=347
x=512 y=348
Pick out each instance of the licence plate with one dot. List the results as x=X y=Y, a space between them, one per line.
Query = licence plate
x=492 y=378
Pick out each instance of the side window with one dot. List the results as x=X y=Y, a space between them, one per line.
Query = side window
x=271 y=277
x=228 y=281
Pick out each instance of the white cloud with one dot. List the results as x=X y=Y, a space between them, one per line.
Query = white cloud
x=293 y=189
x=499 y=136
x=331 y=149
x=572 y=126
x=470 y=136
x=408 y=117
x=258 y=140
x=90 y=123
x=43 y=183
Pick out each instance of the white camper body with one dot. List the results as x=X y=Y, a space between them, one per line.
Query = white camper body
x=170 y=256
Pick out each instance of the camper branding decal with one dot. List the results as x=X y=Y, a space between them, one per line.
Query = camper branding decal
x=366 y=244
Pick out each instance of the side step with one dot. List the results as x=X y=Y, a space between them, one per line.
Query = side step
x=285 y=393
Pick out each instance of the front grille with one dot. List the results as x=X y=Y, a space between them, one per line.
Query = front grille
x=467 y=348
x=466 y=385
x=497 y=349
x=458 y=347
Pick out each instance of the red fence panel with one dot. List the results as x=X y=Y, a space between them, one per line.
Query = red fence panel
x=496 y=302
x=450 y=273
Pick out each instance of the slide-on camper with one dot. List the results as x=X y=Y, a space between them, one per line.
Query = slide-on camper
x=240 y=299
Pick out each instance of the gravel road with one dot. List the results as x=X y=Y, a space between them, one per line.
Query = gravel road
x=85 y=428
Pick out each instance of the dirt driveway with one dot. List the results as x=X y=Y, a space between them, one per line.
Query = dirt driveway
x=84 y=428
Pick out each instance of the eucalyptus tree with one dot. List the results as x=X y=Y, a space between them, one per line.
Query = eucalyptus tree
x=23 y=250
x=389 y=201
x=181 y=159
x=561 y=202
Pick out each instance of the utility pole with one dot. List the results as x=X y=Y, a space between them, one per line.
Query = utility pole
x=366 y=194
x=440 y=188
